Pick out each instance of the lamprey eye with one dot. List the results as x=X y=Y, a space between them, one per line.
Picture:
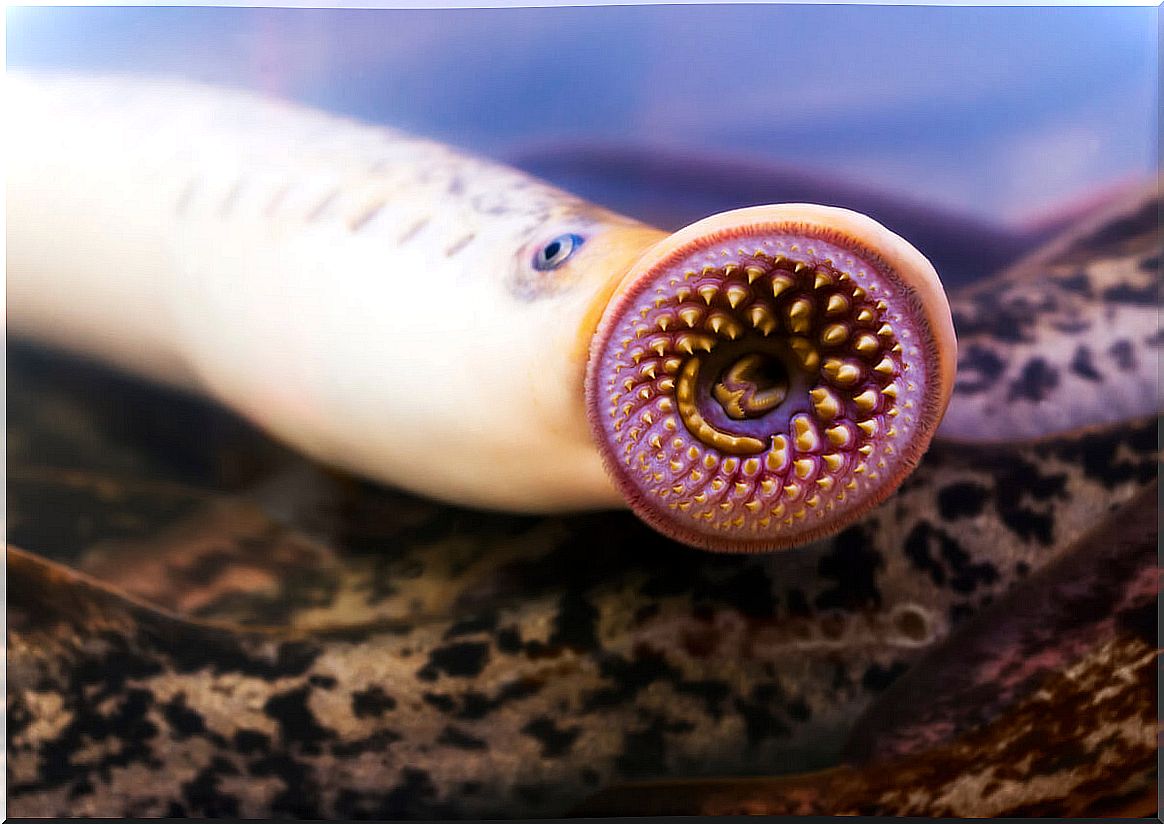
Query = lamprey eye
x=766 y=376
x=556 y=252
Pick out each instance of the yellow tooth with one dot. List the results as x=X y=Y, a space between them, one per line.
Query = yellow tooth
x=628 y=383
x=655 y=441
x=696 y=476
x=707 y=293
x=798 y=315
x=647 y=418
x=666 y=384
x=825 y=403
x=701 y=498
x=716 y=484
x=665 y=405
x=882 y=305
x=761 y=318
x=897 y=350
x=709 y=461
x=803 y=467
x=866 y=344
x=801 y=513
x=736 y=294
x=853 y=483
x=730 y=465
x=799 y=267
x=841 y=372
x=767 y=486
x=708 y=269
x=869 y=427
x=839 y=435
x=890 y=390
x=690 y=316
x=779 y=510
x=860 y=468
x=753 y=272
x=672 y=364
x=751 y=466
x=742 y=489
x=777 y=460
x=780 y=284
x=866 y=316
x=813 y=501
x=805 y=433
x=805 y=353
x=893 y=413
x=890 y=432
x=682 y=293
x=693 y=453
x=725 y=505
x=822 y=279
x=886 y=331
x=648 y=371
x=836 y=305
x=858 y=292
x=752 y=506
x=664 y=322
x=885 y=367
x=792 y=490
x=866 y=400
x=866 y=450
x=833 y=461
x=659 y=345
x=834 y=333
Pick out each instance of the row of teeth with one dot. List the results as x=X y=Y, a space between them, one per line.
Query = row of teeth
x=811 y=479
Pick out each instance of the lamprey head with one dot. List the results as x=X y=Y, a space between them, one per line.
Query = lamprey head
x=763 y=377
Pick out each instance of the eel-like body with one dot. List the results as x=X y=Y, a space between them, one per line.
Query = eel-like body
x=386 y=305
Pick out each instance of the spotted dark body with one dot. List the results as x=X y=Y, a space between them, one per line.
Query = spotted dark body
x=407 y=659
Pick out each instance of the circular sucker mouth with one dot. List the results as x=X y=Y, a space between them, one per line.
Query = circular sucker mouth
x=765 y=376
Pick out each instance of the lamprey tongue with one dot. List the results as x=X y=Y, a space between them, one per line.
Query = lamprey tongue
x=764 y=376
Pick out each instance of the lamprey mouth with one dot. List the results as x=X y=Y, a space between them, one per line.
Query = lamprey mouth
x=765 y=376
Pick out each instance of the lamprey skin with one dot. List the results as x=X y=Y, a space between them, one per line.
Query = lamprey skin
x=765 y=376
x=422 y=318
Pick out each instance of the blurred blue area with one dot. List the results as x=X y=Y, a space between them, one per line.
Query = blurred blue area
x=1005 y=113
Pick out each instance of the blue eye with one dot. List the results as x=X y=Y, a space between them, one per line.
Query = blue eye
x=556 y=252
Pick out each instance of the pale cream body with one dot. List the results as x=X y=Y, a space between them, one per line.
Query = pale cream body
x=365 y=296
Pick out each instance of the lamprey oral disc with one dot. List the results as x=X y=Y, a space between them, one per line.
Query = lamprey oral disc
x=434 y=321
x=830 y=395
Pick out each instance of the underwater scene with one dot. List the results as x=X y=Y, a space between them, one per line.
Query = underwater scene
x=588 y=411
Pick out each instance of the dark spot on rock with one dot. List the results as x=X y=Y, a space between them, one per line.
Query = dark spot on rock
x=1079 y=283
x=183 y=721
x=297 y=723
x=978 y=369
x=1036 y=381
x=1140 y=621
x=299 y=797
x=378 y=741
x=411 y=798
x=760 y=722
x=555 y=742
x=644 y=752
x=325 y=682
x=453 y=737
x=645 y=613
x=1082 y=365
x=798 y=710
x=877 y=678
x=1124 y=355
x=248 y=741
x=462 y=660
x=508 y=640
x=964 y=499
x=853 y=564
x=629 y=677
x=574 y=623
x=476 y=705
x=590 y=776
x=372 y=702
x=202 y=795
x=443 y=703
x=937 y=553
x=1146 y=295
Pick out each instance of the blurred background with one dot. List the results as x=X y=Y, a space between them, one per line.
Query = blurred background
x=1013 y=116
